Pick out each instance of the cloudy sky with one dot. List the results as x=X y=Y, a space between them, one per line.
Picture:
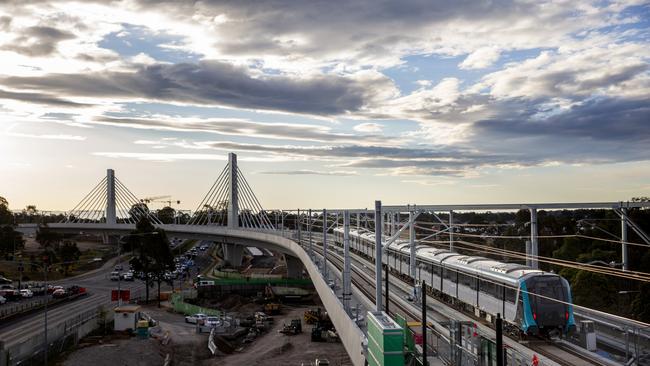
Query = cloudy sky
x=326 y=103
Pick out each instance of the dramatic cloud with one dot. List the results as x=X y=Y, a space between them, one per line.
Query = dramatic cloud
x=39 y=98
x=462 y=86
x=241 y=127
x=311 y=172
x=218 y=83
x=36 y=40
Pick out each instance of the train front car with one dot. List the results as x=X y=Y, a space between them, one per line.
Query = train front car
x=547 y=305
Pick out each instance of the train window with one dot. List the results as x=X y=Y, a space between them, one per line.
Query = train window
x=498 y=292
x=464 y=279
x=511 y=294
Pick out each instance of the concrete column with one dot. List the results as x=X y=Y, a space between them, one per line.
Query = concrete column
x=294 y=266
x=624 y=254
x=233 y=254
x=358 y=220
x=528 y=256
x=533 y=238
x=378 y=268
x=111 y=217
x=324 y=269
x=347 y=288
x=451 y=230
x=233 y=200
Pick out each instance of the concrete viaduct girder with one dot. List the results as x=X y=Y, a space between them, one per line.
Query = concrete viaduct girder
x=350 y=334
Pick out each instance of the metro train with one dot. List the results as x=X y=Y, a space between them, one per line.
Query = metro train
x=481 y=285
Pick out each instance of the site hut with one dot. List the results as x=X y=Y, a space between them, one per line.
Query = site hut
x=126 y=317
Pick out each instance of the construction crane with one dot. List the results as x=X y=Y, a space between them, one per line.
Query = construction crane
x=160 y=199
x=153 y=199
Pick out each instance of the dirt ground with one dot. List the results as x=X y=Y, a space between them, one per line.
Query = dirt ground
x=273 y=348
x=186 y=347
x=121 y=352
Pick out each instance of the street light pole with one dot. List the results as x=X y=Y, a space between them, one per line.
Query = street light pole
x=45 y=343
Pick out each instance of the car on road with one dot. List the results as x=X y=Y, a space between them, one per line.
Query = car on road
x=26 y=293
x=128 y=276
x=196 y=318
x=51 y=289
x=212 y=321
x=119 y=267
x=59 y=293
x=115 y=276
x=2 y=300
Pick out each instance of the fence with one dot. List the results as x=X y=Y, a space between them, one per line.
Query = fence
x=182 y=307
x=29 y=351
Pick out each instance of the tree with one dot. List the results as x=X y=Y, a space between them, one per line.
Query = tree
x=154 y=256
x=6 y=217
x=584 y=294
x=166 y=215
x=10 y=241
x=68 y=252
x=48 y=238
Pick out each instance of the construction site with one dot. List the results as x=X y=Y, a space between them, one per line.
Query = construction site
x=249 y=315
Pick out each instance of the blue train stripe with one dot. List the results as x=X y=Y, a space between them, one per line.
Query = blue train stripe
x=527 y=320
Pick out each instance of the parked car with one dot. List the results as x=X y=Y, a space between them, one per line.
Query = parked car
x=196 y=318
x=26 y=293
x=59 y=293
x=2 y=300
x=115 y=276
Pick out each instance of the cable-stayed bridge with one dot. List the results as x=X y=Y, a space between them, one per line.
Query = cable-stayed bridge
x=336 y=246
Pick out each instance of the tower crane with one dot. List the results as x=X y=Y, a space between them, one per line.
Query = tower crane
x=160 y=199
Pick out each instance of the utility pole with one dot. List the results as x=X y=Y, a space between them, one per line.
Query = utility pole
x=451 y=230
x=45 y=342
x=311 y=252
x=346 y=261
x=624 y=253
x=325 y=244
x=378 y=224
x=412 y=259
x=499 y=331
x=425 y=361
x=534 y=250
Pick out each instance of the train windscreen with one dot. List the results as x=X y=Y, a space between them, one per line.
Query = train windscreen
x=548 y=296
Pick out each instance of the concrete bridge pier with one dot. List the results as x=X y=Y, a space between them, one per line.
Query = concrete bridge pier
x=110 y=239
x=233 y=254
x=294 y=267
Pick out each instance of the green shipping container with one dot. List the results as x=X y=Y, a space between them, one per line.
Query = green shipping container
x=385 y=340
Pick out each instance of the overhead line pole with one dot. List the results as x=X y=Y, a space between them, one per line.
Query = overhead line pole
x=624 y=253
x=378 y=269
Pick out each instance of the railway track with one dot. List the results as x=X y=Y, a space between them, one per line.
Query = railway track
x=554 y=351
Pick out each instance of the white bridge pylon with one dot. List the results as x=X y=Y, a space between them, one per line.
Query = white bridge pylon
x=230 y=202
x=110 y=202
